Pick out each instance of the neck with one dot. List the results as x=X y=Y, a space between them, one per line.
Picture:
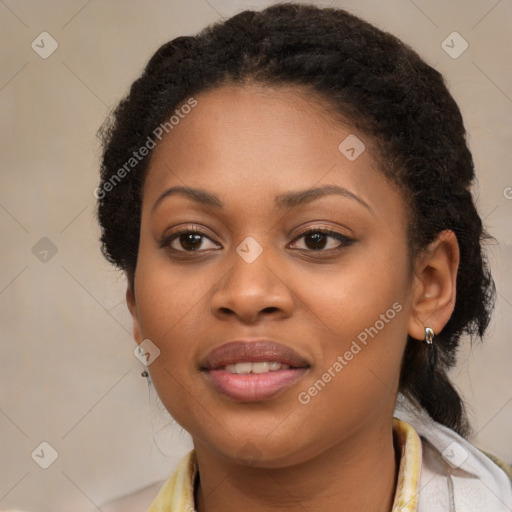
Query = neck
x=358 y=474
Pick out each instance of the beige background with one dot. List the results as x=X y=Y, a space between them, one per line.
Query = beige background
x=68 y=374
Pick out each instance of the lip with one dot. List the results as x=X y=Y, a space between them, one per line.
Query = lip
x=252 y=351
x=252 y=387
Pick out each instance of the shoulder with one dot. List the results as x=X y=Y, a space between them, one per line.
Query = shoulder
x=175 y=493
x=507 y=468
x=135 y=502
x=455 y=474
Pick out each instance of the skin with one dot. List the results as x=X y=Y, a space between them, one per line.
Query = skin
x=248 y=144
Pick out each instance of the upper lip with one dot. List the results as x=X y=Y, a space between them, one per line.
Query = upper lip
x=251 y=351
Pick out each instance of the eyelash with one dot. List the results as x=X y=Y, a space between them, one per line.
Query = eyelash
x=344 y=240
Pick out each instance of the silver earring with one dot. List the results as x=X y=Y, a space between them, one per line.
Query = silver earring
x=429 y=335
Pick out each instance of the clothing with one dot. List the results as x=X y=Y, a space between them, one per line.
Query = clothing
x=455 y=475
x=439 y=471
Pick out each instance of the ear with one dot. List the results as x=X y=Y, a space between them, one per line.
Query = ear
x=434 y=285
x=132 y=306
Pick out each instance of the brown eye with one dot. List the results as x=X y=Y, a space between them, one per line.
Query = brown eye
x=320 y=239
x=188 y=240
x=316 y=241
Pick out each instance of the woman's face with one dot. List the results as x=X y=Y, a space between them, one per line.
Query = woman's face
x=334 y=307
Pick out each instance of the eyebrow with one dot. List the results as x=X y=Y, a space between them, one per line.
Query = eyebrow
x=286 y=200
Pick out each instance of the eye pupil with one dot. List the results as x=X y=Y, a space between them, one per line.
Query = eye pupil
x=318 y=241
x=191 y=241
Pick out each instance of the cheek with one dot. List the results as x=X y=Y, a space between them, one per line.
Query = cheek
x=167 y=295
x=358 y=376
x=166 y=305
x=361 y=312
x=352 y=296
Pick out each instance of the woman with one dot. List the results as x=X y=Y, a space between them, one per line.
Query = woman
x=288 y=194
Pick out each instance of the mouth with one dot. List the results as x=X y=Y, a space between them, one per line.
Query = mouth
x=253 y=371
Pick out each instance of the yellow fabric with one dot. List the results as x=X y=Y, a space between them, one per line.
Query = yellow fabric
x=177 y=494
x=409 y=471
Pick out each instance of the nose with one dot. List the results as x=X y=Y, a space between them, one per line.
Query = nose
x=252 y=291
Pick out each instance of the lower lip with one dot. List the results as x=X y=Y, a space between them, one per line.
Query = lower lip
x=254 y=387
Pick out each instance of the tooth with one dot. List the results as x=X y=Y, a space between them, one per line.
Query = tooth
x=230 y=368
x=243 y=367
x=274 y=366
x=285 y=366
x=260 y=367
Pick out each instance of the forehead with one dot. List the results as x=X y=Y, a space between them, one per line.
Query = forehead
x=251 y=143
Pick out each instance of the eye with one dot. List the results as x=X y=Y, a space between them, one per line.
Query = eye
x=189 y=239
x=323 y=239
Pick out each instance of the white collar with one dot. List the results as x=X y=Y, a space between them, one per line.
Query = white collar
x=455 y=475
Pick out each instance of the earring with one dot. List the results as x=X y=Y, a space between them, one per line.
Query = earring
x=146 y=375
x=429 y=335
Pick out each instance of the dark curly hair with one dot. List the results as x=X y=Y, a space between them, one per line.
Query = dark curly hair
x=370 y=79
